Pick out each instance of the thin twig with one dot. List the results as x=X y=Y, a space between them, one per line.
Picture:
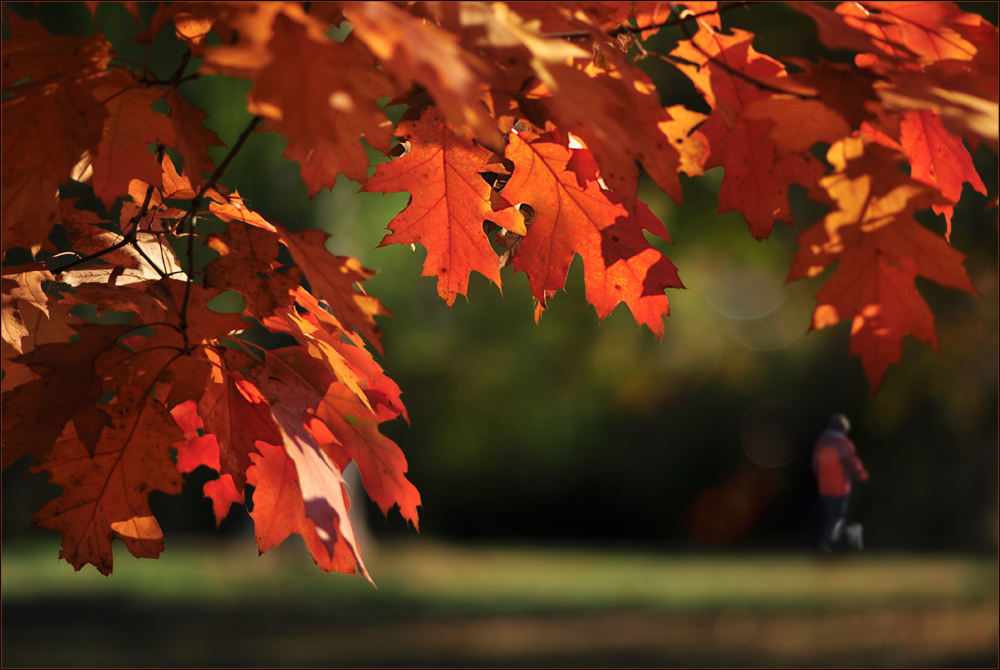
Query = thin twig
x=187 y=223
x=127 y=237
x=636 y=30
x=734 y=72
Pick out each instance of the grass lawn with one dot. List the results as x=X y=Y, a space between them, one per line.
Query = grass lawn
x=217 y=603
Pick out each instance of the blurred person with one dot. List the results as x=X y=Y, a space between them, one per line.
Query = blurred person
x=836 y=464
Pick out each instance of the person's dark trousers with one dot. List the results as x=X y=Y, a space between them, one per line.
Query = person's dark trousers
x=834 y=513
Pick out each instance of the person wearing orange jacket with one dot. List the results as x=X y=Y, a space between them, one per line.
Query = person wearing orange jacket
x=836 y=464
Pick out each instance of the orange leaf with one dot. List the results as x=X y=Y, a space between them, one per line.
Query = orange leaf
x=131 y=126
x=411 y=49
x=44 y=135
x=106 y=496
x=938 y=158
x=320 y=480
x=324 y=108
x=880 y=249
x=278 y=509
x=449 y=202
x=203 y=449
x=757 y=174
x=354 y=428
x=192 y=137
x=21 y=284
x=235 y=413
x=333 y=278
x=575 y=216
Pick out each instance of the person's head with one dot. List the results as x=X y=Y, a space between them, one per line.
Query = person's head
x=839 y=423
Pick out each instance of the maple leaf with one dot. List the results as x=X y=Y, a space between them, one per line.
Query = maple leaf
x=572 y=218
x=449 y=202
x=105 y=496
x=880 y=249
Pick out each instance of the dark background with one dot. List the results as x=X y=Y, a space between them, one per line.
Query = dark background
x=575 y=430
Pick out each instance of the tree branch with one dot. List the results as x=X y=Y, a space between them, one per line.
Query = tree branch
x=187 y=223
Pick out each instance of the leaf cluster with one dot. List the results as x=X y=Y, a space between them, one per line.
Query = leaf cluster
x=525 y=131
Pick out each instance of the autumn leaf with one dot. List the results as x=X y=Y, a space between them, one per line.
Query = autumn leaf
x=21 y=284
x=105 y=496
x=235 y=412
x=320 y=480
x=324 y=109
x=449 y=202
x=278 y=510
x=334 y=278
x=576 y=216
x=937 y=157
x=248 y=263
x=36 y=160
x=199 y=448
x=192 y=137
x=131 y=126
x=757 y=175
x=879 y=249
x=410 y=49
x=36 y=412
x=353 y=427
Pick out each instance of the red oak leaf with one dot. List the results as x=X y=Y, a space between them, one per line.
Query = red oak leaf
x=880 y=249
x=757 y=175
x=234 y=411
x=105 y=496
x=247 y=262
x=334 y=278
x=34 y=160
x=131 y=126
x=355 y=437
x=320 y=480
x=938 y=158
x=68 y=389
x=411 y=49
x=450 y=201
x=22 y=284
x=199 y=448
x=192 y=137
x=575 y=216
x=278 y=509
